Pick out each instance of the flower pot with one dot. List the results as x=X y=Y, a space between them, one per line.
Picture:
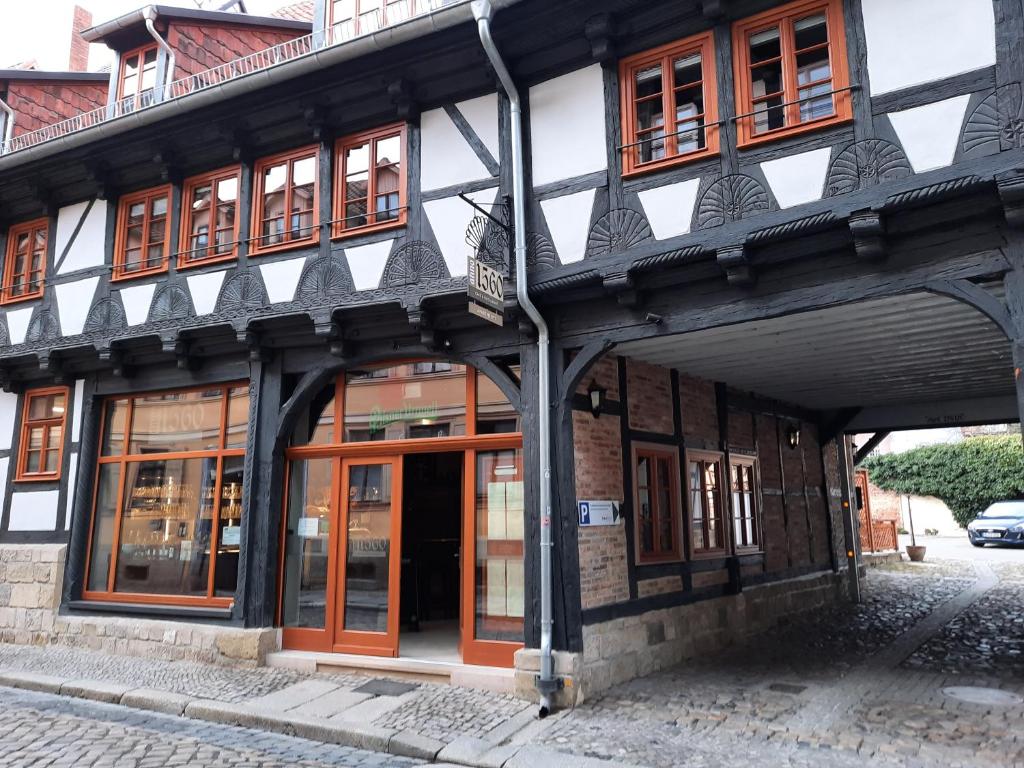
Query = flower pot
x=915 y=553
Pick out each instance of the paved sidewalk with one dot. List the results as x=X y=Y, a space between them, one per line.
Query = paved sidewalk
x=845 y=688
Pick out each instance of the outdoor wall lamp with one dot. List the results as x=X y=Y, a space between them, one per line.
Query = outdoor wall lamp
x=596 y=394
x=793 y=436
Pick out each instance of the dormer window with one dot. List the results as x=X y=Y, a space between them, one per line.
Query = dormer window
x=138 y=75
x=357 y=17
x=25 y=265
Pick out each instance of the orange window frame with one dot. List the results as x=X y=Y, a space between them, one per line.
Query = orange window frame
x=784 y=17
x=704 y=458
x=664 y=56
x=147 y=197
x=653 y=453
x=213 y=179
x=748 y=463
x=141 y=52
x=125 y=458
x=12 y=275
x=22 y=474
x=341 y=199
x=256 y=246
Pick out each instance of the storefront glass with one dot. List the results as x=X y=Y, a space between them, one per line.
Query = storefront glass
x=405 y=402
x=307 y=543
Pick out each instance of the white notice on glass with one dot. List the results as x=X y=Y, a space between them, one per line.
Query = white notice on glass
x=231 y=536
x=514 y=499
x=496 y=590
x=309 y=527
x=516 y=596
x=496 y=510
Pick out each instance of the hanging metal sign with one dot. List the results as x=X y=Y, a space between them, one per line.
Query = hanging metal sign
x=486 y=292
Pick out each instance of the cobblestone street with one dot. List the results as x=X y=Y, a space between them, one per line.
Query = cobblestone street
x=863 y=686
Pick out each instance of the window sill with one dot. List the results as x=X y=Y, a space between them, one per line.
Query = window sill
x=291 y=245
x=370 y=229
x=667 y=560
x=184 y=264
x=20 y=299
x=37 y=478
x=778 y=134
x=673 y=162
x=123 y=278
x=167 y=611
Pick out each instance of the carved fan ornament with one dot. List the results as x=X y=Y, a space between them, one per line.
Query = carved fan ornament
x=540 y=253
x=105 y=315
x=242 y=291
x=43 y=327
x=172 y=302
x=997 y=124
x=488 y=241
x=618 y=230
x=324 y=276
x=865 y=164
x=413 y=263
x=730 y=199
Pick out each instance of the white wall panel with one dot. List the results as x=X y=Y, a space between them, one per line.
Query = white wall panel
x=8 y=418
x=482 y=115
x=136 y=302
x=446 y=159
x=567 y=126
x=918 y=41
x=929 y=134
x=73 y=303
x=798 y=179
x=366 y=263
x=568 y=219
x=87 y=249
x=33 y=511
x=76 y=423
x=669 y=209
x=282 y=278
x=17 y=324
x=450 y=218
x=205 y=289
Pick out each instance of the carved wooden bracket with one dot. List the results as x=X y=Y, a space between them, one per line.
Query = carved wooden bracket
x=99 y=179
x=253 y=341
x=400 y=92
x=600 y=33
x=183 y=351
x=166 y=160
x=735 y=261
x=44 y=195
x=622 y=287
x=868 y=230
x=1011 y=193
x=713 y=9
x=6 y=383
x=50 y=364
x=117 y=360
x=316 y=119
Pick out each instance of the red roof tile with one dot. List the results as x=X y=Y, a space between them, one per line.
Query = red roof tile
x=301 y=11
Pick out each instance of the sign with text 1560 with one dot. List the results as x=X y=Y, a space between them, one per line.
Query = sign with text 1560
x=485 y=285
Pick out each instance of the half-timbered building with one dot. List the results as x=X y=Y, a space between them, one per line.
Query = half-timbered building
x=246 y=416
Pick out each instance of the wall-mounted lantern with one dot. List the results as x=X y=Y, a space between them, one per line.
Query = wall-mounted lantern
x=793 y=436
x=597 y=395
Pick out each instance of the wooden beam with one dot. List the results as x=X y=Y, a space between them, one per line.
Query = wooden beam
x=869 y=446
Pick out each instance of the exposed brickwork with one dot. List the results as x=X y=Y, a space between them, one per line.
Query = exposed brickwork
x=202 y=47
x=38 y=104
x=661 y=586
x=699 y=410
x=741 y=431
x=605 y=372
x=78 y=59
x=649 y=389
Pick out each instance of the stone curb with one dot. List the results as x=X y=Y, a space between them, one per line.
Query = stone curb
x=464 y=751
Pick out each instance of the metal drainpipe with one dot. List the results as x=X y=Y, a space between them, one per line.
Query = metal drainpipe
x=150 y=14
x=546 y=683
x=8 y=126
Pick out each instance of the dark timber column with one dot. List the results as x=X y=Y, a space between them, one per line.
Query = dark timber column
x=849 y=524
x=1014 y=285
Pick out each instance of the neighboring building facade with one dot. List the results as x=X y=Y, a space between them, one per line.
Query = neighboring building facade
x=244 y=407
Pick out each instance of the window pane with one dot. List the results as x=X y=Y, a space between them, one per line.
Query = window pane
x=645 y=514
x=166 y=525
x=200 y=206
x=307 y=543
x=113 y=428
x=238 y=418
x=396 y=404
x=274 y=180
x=368 y=557
x=46 y=406
x=35 y=438
x=229 y=535
x=666 y=543
x=356 y=185
x=303 y=180
x=494 y=412
x=176 y=421
x=696 y=504
x=810 y=32
x=499 y=604
x=103 y=528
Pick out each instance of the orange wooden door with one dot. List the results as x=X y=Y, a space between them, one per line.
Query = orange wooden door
x=369 y=556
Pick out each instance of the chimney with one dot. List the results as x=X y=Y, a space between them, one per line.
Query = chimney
x=79 y=59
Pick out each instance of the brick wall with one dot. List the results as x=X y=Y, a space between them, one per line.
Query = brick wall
x=198 y=48
x=605 y=373
x=38 y=104
x=78 y=59
x=699 y=410
x=649 y=389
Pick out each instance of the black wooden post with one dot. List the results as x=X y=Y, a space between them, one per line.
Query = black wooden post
x=849 y=526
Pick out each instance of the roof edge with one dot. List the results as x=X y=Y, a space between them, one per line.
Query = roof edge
x=66 y=77
x=99 y=32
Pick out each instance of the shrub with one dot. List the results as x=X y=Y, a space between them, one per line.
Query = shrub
x=967 y=476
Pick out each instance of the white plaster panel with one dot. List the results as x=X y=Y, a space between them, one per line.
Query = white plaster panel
x=450 y=218
x=35 y=511
x=282 y=278
x=568 y=219
x=567 y=126
x=73 y=303
x=205 y=289
x=446 y=159
x=17 y=324
x=69 y=497
x=919 y=41
x=76 y=423
x=929 y=134
x=798 y=179
x=669 y=209
x=366 y=263
x=136 y=302
x=87 y=249
x=8 y=418
x=482 y=115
